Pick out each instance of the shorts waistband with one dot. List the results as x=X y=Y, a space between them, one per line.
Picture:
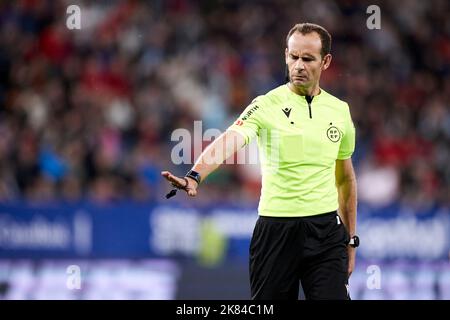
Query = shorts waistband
x=321 y=215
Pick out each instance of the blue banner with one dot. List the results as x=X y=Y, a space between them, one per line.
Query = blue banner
x=130 y=230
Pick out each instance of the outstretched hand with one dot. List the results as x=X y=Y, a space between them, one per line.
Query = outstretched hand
x=185 y=183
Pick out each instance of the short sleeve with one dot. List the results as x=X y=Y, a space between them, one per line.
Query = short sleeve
x=347 y=146
x=249 y=122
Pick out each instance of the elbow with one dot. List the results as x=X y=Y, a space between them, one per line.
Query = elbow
x=347 y=180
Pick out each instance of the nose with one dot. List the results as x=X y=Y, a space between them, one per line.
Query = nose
x=299 y=65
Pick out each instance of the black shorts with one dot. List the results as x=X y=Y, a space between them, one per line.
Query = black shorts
x=313 y=250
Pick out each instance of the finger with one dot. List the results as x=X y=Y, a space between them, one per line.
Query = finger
x=192 y=192
x=166 y=174
x=170 y=177
x=174 y=179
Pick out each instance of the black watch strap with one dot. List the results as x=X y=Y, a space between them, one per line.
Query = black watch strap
x=194 y=175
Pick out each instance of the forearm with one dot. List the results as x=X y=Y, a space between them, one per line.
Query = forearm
x=217 y=152
x=348 y=202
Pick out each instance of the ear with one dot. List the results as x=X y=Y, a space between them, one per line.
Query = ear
x=326 y=61
x=286 y=55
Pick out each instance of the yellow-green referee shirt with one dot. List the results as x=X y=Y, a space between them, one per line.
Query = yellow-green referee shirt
x=299 y=140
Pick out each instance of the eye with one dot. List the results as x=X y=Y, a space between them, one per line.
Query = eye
x=307 y=59
x=293 y=57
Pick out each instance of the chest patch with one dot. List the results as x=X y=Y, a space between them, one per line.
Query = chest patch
x=333 y=134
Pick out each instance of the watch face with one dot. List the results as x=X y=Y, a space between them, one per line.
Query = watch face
x=355 y=241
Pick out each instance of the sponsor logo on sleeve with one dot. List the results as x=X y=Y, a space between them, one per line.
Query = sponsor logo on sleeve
x=250 y=112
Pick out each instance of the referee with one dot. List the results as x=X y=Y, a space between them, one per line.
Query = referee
x=307 y=211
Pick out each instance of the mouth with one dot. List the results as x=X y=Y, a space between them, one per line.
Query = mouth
x=300 y=77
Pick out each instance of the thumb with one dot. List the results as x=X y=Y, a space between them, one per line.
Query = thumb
x=192 y=192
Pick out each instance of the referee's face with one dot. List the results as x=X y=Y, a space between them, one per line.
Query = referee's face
x=304 y=61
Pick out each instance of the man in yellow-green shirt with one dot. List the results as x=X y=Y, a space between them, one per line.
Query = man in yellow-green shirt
x=307 y=210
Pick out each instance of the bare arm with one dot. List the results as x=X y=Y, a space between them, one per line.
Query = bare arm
x=211 y=158
x=218 y=151
x=346 y=185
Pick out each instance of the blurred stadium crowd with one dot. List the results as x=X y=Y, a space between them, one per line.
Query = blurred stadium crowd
x=88 y=114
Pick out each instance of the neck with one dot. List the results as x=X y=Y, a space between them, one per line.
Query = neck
x=302 y=91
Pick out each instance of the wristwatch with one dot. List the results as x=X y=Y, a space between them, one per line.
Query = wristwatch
x=354 y=241
x=194 y=175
